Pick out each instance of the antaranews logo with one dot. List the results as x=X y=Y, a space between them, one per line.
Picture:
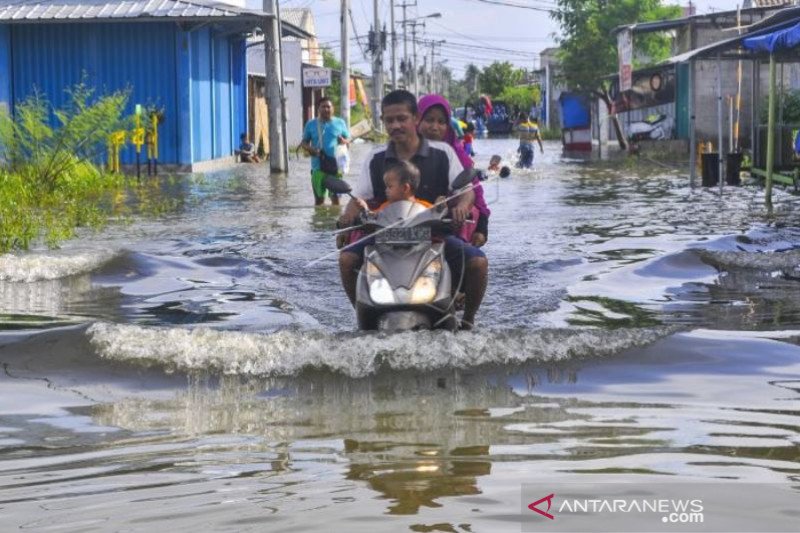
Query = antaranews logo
x=549 y=500
x=667 y=507
x=673 y=511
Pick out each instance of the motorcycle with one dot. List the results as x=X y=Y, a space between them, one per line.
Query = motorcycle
x=655 y=127
x=404 y=282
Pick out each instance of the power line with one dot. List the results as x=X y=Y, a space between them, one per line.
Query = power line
x=521 y=6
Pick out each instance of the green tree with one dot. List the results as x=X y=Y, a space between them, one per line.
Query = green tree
x=334 y=92
x=497 y=76
x=588 y=44
x=471 y=77
x=521 y=97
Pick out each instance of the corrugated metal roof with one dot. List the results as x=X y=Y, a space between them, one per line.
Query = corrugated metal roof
x=771 y=3
x=782 y=19
x=67 y=10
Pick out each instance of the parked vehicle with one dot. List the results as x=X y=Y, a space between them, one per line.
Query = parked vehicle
x=501 y=120
x=655 y=127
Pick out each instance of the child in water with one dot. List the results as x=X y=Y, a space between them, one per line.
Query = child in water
x=469 y=139
x=494 y=164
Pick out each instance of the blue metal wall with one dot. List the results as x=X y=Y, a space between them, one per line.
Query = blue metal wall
x=198 y=77
x=239 y=89
x=140 y=57
x=5 y=68
x=218 y=93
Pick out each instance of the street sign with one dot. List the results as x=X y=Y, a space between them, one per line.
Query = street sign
x=316 y=77
x=625 y=51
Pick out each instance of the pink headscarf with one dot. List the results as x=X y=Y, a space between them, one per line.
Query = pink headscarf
x=427 y=102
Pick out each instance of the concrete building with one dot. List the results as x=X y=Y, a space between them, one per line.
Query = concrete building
x=297 y=53
x=692 y=33
x=548 y=75
x=185 y=56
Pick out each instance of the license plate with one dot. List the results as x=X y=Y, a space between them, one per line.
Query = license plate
x=414 y=234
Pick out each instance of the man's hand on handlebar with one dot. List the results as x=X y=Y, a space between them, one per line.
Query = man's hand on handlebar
x=361 y=204
x=460 y=212
x=351 y=212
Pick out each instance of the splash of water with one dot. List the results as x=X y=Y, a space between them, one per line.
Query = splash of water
x=288 y=352
x=42 y=267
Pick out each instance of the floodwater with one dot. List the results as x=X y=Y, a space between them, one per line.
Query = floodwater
x=201 y=371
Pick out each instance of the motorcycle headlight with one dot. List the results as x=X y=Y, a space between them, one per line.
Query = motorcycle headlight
x=424 y=289
x=381 y=292
x=373 y=272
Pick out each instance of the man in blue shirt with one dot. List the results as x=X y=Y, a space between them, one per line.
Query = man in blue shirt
x=323 y=134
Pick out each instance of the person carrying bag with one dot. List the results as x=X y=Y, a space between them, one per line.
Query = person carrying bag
x=321 y=136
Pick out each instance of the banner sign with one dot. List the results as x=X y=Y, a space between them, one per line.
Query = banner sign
x=316 y=77
x=625 y=52
x=649 y=88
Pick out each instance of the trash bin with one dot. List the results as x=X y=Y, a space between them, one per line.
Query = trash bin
x=733 y=166
x=710 y=169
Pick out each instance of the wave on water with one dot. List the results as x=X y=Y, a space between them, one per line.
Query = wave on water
x=42 y=267
x=766 y=261
x=287 y=352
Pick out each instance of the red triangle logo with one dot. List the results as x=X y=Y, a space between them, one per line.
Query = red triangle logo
x=549 y=500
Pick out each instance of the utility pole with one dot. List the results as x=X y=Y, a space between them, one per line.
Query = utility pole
x=405 y=43
x=377 y=70
x=394 y=44
x=434 y=88
x=278 y=148
x=345 y=76
x=415 y=74
x=425 y=78
x=430 y=74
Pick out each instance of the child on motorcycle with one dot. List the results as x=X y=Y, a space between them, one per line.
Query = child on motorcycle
x=402 y=181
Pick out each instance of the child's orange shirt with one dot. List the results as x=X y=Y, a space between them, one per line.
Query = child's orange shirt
x=412 y=199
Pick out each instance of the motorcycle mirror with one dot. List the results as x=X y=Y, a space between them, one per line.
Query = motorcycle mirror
x=465 y=178
x=505 y=172
x=336 y=185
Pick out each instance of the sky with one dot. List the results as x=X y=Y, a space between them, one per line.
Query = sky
x=475 y=31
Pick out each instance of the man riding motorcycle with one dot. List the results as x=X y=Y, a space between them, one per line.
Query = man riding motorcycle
x=439 y=167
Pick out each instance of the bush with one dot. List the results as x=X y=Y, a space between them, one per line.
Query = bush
x=49 y=185
x=791 y=107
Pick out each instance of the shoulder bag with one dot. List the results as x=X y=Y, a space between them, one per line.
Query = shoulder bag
x=327 y=163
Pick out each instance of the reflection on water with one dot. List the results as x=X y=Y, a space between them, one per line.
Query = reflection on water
x=426 y=446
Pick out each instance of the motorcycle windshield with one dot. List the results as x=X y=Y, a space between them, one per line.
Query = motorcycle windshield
x=410 y=213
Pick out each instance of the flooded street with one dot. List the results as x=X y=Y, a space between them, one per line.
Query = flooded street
x=203 y=367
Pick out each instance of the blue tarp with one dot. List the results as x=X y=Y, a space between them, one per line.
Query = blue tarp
x=784 y=39
x=574 y=111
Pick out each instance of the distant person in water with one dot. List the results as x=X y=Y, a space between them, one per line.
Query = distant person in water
x=528 y=133
x=494 y=164
x=469 y=139
x=247 y=150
